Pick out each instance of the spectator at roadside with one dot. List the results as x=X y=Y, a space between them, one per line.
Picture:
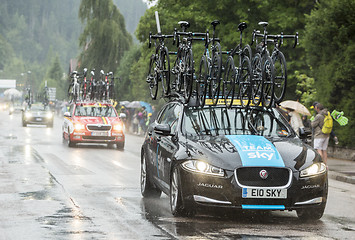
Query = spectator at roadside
x=153 y=116
x=135 y=123
x=321 y=140
x=295 y=120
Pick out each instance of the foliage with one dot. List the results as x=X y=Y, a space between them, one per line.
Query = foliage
x=330 y=48
x=305 y=91
x=283 y=16
x=104 y=39
x=124 y=85
x=54 y=79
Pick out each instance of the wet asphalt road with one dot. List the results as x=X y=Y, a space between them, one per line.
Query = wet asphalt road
x=50 y=191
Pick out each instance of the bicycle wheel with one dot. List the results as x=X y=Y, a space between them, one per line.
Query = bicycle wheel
x=188 y=75
x=152 y=78
x=216 y=72
x=244 y=80
x=165 y=74
x=229 y=82
x=176 y=83
x=257 y=80
x=280 y=75
x=247 y=51
x=201 y=82
x=268 y=80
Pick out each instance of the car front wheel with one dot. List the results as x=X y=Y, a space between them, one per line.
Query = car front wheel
x=70 y=143
x=177 y=205
x=120 y=145
x=147 y=188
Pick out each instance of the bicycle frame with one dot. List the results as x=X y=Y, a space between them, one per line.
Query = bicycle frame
x=184 y=64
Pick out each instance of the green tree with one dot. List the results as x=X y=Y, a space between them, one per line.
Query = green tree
x=54 y=78
x=330 y=48
x=305 y=91
x=285 y=16
x=124 y=85
x=105 y=38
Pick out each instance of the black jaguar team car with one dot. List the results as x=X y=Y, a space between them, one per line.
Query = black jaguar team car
x=243 y=158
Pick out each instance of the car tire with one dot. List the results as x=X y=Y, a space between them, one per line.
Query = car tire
x=120 y=145
x=148 y=190
x=50 y=125
x=70 y=143
x=313 y=213
x=177 y=205
x=24 y=124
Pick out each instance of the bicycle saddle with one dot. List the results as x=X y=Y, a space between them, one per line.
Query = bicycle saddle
x=215 y=23
x=264 y=24
x=184 y=25
x=242 y=26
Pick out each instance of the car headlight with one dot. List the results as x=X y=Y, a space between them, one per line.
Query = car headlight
x=118 y=127
x=49 y=115
x=314 y=169
x=78 y=127
x=28 y=114
x=203 y=167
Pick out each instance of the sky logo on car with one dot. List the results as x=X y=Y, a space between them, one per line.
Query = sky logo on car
x=256 y=151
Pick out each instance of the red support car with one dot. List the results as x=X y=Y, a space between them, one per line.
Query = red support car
x=92 y=122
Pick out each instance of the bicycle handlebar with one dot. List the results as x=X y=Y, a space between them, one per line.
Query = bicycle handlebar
x=158 y=36
x=278 y=37
x=191 y=35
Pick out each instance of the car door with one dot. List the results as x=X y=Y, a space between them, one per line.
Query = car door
x=166 y=144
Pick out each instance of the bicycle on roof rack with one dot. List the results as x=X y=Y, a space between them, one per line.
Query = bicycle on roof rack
x=84 y=85
x=45 y=96
x=159 y=66
x=184 y=64
x=237 y=79
x=110 y=90
x=280 y=67
x=209 y=74
x=74 y=87
x=269 y=71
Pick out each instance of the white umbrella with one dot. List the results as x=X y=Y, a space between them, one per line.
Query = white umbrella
x=12 y=93
x=134 y=104
x=296 y=106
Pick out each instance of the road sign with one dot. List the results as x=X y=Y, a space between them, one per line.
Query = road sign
x=52 y=93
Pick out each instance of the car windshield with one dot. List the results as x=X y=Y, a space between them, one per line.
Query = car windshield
x=95 y=111
x=216 y=121
x=35 y=107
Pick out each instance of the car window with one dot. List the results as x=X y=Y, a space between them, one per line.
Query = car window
x=235 y=121
x=37 y=107
x=170 y=115
x=94 y=111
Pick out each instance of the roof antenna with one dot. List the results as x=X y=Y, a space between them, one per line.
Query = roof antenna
x=158 y=22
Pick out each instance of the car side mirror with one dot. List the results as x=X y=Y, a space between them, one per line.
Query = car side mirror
x=123 y=115
x=163 y=129
x=67 y=114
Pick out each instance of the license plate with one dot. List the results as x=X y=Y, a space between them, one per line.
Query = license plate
x=264 y=193
x=99 y=134
x=38 y=119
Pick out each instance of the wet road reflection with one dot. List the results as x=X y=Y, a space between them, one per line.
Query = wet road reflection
x=91 y=191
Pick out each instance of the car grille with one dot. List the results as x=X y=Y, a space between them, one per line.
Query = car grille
x=99 y=138
x=98 y=127
x=250 y=177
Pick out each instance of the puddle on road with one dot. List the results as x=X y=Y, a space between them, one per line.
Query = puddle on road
x=39 y=195
x=20 y=154
x=70 y=221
